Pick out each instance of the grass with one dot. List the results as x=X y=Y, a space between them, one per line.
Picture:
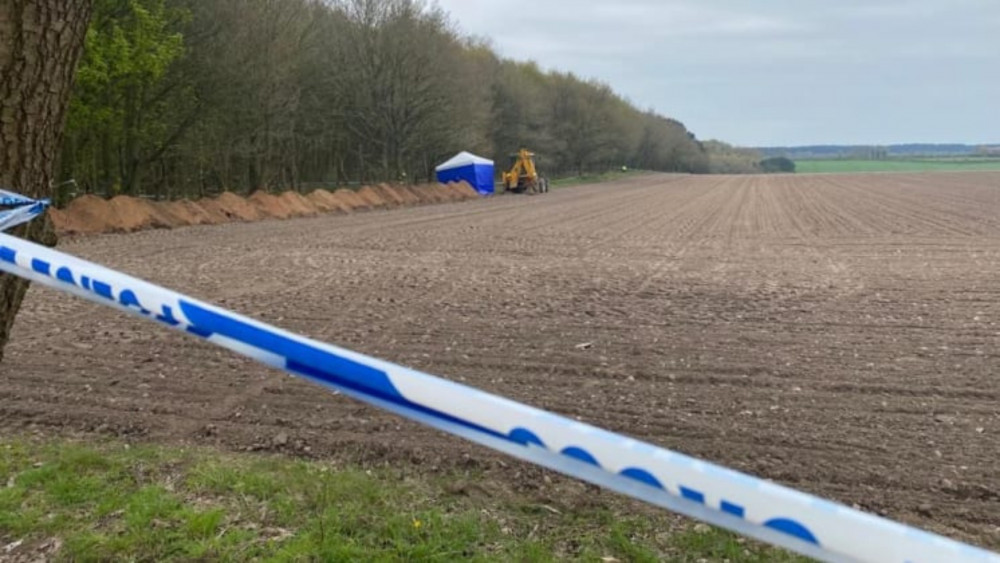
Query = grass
x=898 y=165
x=109 y=501
x=593 y=178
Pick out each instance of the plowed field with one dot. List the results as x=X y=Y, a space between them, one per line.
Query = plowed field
x=839 y=334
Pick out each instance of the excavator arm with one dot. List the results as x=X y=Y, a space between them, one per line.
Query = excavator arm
x=522 y=176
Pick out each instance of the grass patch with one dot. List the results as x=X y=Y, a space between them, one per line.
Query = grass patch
x=109 y=501
x=594 y=178
x=898 y=165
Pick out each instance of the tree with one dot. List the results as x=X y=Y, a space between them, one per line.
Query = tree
x=120 y=90
x=724 y=158
x=40 y=44
x=180 y=98
x=777 y=164
x=402 y=87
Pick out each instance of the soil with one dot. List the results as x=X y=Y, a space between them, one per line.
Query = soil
x=465 y=189
x=426 y=193
x=452 y=191
x=191 y=213
x=91 y=214
x=352 y=199
x=65 y=223
x=298 y=205
x=134 y=214
x=369 y=195
x=410 y=194
x=836 y=333
x=389 y=195
x=433 y=192
x=269 y=205
x=437 y=192
x=325 y=202
x=405 y=194
x=233 y=207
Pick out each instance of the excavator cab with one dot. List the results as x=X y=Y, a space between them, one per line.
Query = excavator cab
x=523 y=177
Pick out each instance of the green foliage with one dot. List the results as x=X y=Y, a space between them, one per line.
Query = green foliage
x=898 y=165
x=777 y=164
x=187 y=97
x=727 y=159
x=113 y=502
x=569 y=181
x=128 y=51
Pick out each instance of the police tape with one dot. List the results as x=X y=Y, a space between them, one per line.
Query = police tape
x=23 y=209
x=748 y=505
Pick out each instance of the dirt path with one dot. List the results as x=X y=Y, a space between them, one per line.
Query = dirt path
x=836 y=333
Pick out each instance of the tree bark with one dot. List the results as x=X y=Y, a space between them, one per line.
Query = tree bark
x=40 y=45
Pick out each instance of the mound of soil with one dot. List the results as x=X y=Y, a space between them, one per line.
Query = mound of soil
x=64 y=223
x=129 y=214
x=349 y=201
x=215 y=210
x=415 y=194
x=352 y=199
x=180 y=214
x=232 y=207
x=405 y=195
x=192 y=213
x=425 y=194
x=163 y=216
x=270 y=205
x=442 y=192
x=298 y=205
x=321 y=203
x=92 y=215
x=389 y=195
x=326 y=201
x=465 y=189
x=371 y=196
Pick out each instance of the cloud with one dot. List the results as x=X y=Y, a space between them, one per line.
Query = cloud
x=845 y=70
x=676 y=19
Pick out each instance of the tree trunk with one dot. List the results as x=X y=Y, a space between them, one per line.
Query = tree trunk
x=40 y=45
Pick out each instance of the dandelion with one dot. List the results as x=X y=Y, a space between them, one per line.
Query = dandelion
x=417 y=523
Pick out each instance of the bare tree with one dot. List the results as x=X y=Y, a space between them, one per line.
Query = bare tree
x=191 y=97
x=40 y=44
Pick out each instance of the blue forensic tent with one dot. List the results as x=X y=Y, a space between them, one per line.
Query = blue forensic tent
x=475 y=170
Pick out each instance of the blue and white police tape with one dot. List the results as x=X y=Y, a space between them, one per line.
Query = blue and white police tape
x=23 y=209
x=748 y=505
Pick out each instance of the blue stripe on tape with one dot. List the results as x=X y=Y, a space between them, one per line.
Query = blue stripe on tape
x=311 y=361
x=792 y=528
x=580 y=454
x=357 y=376
x=692 y=494
x=734 y=509
x=642 y=476
x=526 y=437
x=321 y=365
x=332 y=379
x=40 y=266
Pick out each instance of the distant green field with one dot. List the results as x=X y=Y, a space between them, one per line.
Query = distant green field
x=898 y=165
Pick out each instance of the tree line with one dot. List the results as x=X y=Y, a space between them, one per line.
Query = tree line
x=191 y=97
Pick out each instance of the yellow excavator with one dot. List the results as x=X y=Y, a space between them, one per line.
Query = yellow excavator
x=523 y=177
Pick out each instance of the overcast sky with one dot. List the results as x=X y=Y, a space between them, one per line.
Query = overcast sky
x=773 y=72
